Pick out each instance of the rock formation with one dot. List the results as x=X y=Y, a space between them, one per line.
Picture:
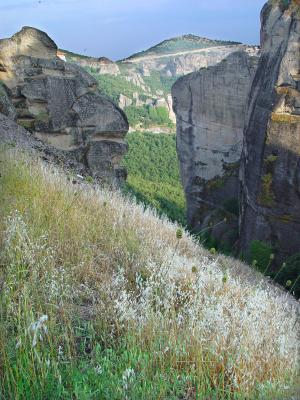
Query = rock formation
x=102 y=65
x=270 y=173
x=6 y=105
x=210 y=107
x=60 y=103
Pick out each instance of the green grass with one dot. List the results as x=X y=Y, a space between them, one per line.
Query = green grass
x=182 y=43
x=153 y=173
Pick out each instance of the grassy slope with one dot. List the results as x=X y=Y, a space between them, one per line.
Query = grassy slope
x=181 y=43
x=153 y=173
x=100 y=299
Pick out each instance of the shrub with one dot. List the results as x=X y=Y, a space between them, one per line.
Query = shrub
x=290 y=271
x=260 y=255
x=147 y=116
x=266 y=196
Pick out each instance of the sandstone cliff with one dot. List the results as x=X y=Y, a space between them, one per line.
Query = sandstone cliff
x=270 y=174
x=60 y=103
x=210 y=107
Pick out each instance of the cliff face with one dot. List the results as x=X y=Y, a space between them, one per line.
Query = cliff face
x=210 y=109
x=60 y=103
x=270 y=173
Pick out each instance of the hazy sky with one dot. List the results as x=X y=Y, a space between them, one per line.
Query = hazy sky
x=118 y=28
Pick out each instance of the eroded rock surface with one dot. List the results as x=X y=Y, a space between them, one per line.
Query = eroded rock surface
x=210 y=109
x=60 y=103
x=270 y=174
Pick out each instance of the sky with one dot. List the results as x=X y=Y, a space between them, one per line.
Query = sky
x=119 y=28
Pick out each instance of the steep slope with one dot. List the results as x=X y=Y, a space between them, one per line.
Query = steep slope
x=100 y=296
x=210 y=108
x=60 y=103
x=270 y=175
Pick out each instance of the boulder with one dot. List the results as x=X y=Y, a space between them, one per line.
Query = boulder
x=60 y=103
x=6 y=106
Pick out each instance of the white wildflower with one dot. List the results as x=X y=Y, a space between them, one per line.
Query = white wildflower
x=127 y=378
x=98 y=369
x=38 y=329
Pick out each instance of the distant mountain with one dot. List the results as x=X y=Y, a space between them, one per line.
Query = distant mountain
x=181 y=44
x=141 y=84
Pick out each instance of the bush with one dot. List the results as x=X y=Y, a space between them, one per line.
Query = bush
x=290 y=271
x=147 y=116
x=260 y=255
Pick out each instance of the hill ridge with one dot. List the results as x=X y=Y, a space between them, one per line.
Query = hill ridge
x=185 y=37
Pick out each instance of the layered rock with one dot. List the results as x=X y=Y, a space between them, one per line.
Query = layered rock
x=60 y=103
x=210 y=108
x=270 y=174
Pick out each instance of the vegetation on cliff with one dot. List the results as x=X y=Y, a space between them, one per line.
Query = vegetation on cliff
x=100 y=298
x=141 y=112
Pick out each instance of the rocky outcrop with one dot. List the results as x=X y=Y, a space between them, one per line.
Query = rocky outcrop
x=6 y=106
x=102 y=65
x=124 y=101
x=60 y=103
x=210 y=108
x=270 y=174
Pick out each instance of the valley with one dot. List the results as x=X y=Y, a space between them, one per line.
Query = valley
x=141 y=84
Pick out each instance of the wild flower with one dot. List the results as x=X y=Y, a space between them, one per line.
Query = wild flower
x=38 y=329
x=98 y=369
x=127 y=378
x=60 y=352
x=125 y=264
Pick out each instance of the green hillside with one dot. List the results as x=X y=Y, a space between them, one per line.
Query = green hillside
x=182 y=43
x=144 y=115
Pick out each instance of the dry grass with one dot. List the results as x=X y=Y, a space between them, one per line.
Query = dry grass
x=83 y=255
x=285 y=118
